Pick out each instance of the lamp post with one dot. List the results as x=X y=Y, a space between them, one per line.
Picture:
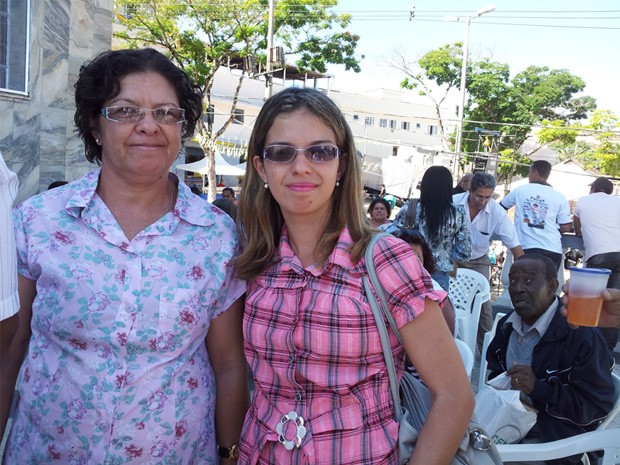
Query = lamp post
x=480 y=12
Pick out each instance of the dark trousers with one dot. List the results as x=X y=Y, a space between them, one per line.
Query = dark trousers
x=556 y=257
x=611 y=261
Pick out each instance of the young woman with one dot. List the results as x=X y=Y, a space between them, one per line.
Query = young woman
x=321 y=387
x=444 y=225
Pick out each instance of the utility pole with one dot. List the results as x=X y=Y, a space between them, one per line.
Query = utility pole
x=269 y=67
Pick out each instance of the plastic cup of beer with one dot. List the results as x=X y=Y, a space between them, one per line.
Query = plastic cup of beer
x=584 y=295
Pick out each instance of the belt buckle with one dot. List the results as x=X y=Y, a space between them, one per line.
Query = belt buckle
x=300 y=432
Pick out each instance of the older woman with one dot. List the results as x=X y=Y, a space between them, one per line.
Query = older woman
x=130 y=316
x=379 y=211
x=322 y=392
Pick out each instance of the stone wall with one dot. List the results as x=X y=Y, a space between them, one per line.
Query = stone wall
x=37 y=134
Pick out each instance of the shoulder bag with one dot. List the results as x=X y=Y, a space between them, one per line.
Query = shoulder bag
x=413 y=403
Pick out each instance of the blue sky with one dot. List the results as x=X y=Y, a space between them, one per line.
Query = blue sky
x=587 y=44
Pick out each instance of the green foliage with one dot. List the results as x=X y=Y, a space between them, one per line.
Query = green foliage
x=201 y=36
x=511 y=106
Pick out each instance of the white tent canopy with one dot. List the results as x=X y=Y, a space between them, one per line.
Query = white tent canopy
x=222 y=167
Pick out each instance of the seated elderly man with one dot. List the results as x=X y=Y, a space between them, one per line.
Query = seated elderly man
x=562 y=372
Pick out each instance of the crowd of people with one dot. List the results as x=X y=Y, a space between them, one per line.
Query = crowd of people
x=132 y=311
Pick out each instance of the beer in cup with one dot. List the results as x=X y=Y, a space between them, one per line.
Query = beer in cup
x=584 y=295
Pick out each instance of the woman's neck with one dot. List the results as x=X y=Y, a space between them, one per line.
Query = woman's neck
x=304 y=235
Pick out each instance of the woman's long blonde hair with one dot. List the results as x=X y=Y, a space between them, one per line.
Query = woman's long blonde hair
x=260 y=219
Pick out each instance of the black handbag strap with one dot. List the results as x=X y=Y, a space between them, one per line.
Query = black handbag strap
x=380 y=311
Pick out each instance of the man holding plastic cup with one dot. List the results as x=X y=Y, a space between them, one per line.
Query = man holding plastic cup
x=564 y=373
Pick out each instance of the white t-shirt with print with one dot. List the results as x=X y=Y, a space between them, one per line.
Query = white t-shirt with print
x=539 y=212
x=600 y=223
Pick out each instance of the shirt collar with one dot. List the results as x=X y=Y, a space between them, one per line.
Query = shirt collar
x=541 y=325
x=286 y=260
x=186 y=208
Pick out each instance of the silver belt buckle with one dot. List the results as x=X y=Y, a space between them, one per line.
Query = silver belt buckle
x=300 y=432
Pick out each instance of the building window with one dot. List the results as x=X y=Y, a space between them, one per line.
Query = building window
x=392 y=124
x=369 y=121
x=405 y=125
x=356 y=117
x=432 y=130
x=14 y=40
x=383 y=122
x=238 y=115
x=418 y=125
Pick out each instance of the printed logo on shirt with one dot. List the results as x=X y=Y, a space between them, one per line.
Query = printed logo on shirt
x=535 y=212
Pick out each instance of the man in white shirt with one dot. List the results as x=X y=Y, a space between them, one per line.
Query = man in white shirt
x=541 y=214
x=486 y=219
x=597 y=220
x=9 y=302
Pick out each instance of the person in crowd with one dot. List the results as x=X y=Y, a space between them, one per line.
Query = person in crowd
x=130 y=319
x=463 y=185
x=597 y=220
x=541 y=214
x=229 y=194
x=9 y=300
x=444 y=225
x=486 y=219
x=564 y=374
x=425 y=255
x=321 y=386
x=195 y=190
x=379 y=211
x=227 y=206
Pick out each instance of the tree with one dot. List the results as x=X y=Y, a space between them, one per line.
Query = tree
x=201 y=36
x=441 y=66
x=494 y=101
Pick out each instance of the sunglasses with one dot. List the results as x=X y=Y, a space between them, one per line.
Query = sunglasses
x=314 y=153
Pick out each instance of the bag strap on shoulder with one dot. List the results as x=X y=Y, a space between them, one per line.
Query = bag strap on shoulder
x=380 y=311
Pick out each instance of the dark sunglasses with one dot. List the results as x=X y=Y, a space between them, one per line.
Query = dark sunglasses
x=314 y=153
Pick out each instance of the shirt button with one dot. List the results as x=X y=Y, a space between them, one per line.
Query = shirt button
x=298 y=397
x=291 y=358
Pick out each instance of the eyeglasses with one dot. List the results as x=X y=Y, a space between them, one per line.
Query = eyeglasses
x=129 y=114
x=314 y=153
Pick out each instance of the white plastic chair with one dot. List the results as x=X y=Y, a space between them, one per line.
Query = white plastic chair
x=467 y=355
x=607 y=440
x=616 y=408
x=468 y=291
x=488 y=337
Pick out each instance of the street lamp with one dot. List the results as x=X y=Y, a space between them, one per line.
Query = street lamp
x=480 y=12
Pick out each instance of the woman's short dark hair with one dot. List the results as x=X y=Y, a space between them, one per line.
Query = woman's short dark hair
x=382 y=201
x=99 y=80
x=414 y=237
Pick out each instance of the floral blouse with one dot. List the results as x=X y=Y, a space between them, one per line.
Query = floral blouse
x=117 y=370
x=453 y=243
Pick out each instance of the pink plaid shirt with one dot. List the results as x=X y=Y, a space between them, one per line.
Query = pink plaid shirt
x=314 y=349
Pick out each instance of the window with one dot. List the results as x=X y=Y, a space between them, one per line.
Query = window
x=356 y=117
x=383 y=122
x=393 y=124
x=405 y=125
x=394 y=150
x=238 y=115
x=14 y=40
x=418 y=125
x=369 y=121
x=432 y=130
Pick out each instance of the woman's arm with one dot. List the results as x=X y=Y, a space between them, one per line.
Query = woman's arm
x=432 y=351
x=225 y=347
x=14 y=338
